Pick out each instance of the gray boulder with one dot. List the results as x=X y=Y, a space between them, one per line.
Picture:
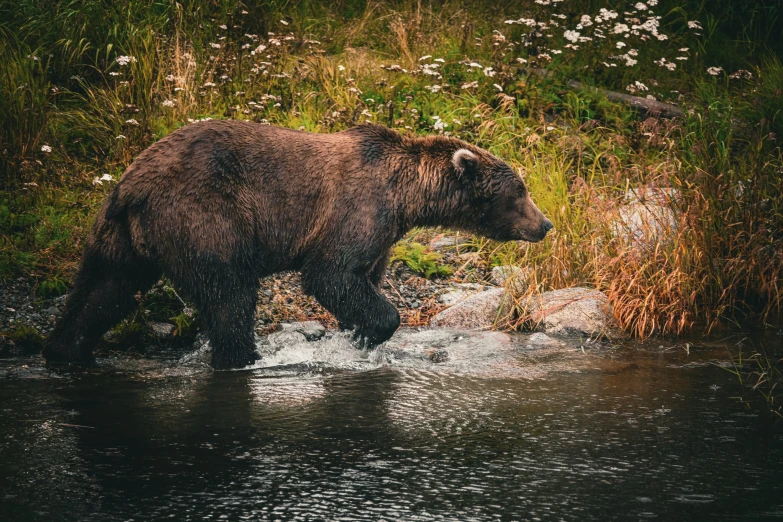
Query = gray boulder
x=312 y=330
x=575 y=311
x=442 y=243
x=459 y=292
x=647 y=216
x=512 y=277
x=479 y=311
x=161 y=330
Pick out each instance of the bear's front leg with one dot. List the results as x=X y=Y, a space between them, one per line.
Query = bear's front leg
x=356 y=303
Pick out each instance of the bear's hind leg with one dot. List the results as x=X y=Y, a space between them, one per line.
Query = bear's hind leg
x=101 y=297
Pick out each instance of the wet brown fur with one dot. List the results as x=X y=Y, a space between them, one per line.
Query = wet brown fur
x=216 y=205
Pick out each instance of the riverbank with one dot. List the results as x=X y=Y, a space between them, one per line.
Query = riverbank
x=675 y=219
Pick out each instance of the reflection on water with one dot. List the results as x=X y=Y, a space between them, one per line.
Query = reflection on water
x=514 y=433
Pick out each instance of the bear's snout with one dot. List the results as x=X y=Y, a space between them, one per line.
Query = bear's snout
x=546 y=226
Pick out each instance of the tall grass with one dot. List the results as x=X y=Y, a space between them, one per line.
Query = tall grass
x=715 y=256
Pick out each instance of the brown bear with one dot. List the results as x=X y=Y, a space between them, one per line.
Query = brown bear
x=216 y=205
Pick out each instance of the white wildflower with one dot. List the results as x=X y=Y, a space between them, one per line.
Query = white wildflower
x=99 y=180
x=633 y=52
x=46 y=148
x=131 y=122
x=637 y=86
x=620 y=28
x=498 y=87
x=640 y=6
x=741 y=74
x=224 y=27
x=340 y=67
x=441 y=60
x=521 y=60
x=283 y=22
x=652 y=3
x=113 y=73
x=488 y=71
x=585 y=21
x=125 y=60
x=620 y=45
x=683 y=50
x=571 y=36
x=694 y=24
x=714 y=71
x=169 y=103
x=474 y=64
x=433 y=88
x=215 y=45
x=606 y=14
x=682 y=58
x=469 y=85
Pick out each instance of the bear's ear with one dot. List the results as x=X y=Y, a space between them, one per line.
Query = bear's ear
x=465 y=162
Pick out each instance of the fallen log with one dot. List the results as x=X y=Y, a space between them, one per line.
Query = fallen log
x=651 y=107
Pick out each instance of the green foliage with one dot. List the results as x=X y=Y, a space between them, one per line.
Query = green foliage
x=53 y=286
x=421 y=260
x=28 y=339
x=185 y=323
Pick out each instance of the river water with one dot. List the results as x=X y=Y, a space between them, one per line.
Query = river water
x=435 y=426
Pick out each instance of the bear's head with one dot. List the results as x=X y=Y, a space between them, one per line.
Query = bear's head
x=499 y=202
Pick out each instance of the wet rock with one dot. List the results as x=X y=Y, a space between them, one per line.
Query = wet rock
x=161 y=330
x=312 y=330
x=285 y=338
x=439 y=356
x=576 y=311
x=481 y=310
x=539 y=338
x=514 y=277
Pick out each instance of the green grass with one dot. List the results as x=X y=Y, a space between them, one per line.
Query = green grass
x=73 y=111
x=421 y=260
